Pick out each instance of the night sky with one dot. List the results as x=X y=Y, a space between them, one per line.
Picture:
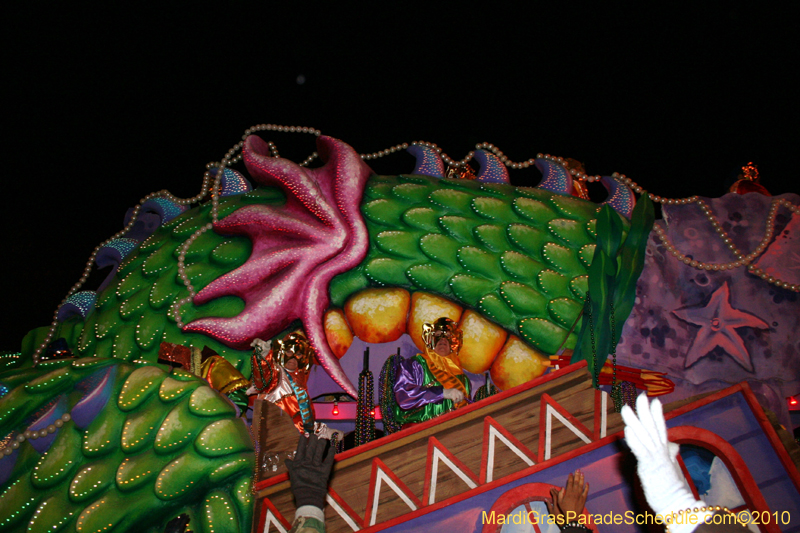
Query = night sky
x=104 y=105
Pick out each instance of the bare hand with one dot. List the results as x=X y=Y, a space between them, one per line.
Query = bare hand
x=569 y=501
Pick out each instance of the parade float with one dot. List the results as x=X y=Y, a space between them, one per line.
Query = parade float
x=113 y=417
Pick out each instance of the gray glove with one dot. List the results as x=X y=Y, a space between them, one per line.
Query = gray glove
x=309 y=472
x=454 y=395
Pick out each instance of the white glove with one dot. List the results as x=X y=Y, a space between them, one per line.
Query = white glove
x=664 y=486
x=454 y=395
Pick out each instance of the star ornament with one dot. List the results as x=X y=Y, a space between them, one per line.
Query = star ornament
x=718 y=322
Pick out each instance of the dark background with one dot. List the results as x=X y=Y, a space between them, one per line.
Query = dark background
x=102 y=105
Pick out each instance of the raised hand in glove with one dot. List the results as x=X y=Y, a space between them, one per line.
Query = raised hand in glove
x=309 y=472
x=657 y=464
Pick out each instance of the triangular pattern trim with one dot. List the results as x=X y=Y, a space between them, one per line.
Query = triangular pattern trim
x=382 y=473
x=438 y=452
x=493 y=430
x=549 y=409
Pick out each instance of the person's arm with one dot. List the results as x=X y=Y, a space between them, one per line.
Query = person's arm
x=657 y=465
x=309 y=473
x=409 y=389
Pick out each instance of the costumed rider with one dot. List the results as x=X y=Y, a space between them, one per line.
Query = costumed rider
x=432 y=383
x=280 y=375
x=207 y=364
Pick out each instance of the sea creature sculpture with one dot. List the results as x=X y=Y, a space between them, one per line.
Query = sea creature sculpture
x=97 y=444
x=305 y=241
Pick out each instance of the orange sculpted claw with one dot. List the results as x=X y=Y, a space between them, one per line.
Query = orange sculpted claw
x=482 y=342
x=517 y=363
x=337 y=332
x=378 y=315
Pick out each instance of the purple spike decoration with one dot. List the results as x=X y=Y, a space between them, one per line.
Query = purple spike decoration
x=492 y=170
x=233 y=183
x=429 y=162
x=78 y=304
x=112 y=254
x=620 y=196
x=554 y=177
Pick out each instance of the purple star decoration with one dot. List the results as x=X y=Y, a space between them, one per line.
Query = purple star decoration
x=297 y=249
x=754 y=337
x=718 y=322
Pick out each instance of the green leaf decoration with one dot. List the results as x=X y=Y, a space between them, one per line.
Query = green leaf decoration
x=454 y=201
x=423 y=218
x=529 y=240
x=385 y=271
x=160 y=260
x=177 y=430
x=521 y=266
x=471 y=288
x=475 y=260
x=430 y=277
x=459 y=228
x=383 y=211
x=586 y=253
x=140 y=428
x=398 y=243
x=138 y=470
x=139 y=386
x=524 y=300
x=93 y=479
x=579 y=286
x=561 y=259
x=440 y=248
x=569 y=231
x=231 y=253
x=135 y=306
x=530 y=209
x=543 y=334
x=149 y=330
x=215 y=439
x=164 y=291
x=494 y=209
x=131 y=283
x=496 y=309
x=553 y=284
x=564 y=311
x=493 y=237
x=60 y=461
x=412 y=192
x=574 y=208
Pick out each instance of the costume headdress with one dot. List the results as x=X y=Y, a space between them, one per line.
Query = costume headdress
x=293 y=345
x=442 y=327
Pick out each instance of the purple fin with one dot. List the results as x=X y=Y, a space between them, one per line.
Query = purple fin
x=492 y=170
x=554 y=177
x=95 y=399
x=42 y=444
x=429 y=162
x=620 y=196
x=233 y=183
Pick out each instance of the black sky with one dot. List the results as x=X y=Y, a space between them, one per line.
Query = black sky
x=105 y=104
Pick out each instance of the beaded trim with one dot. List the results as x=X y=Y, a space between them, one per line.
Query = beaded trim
x=695 y=510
